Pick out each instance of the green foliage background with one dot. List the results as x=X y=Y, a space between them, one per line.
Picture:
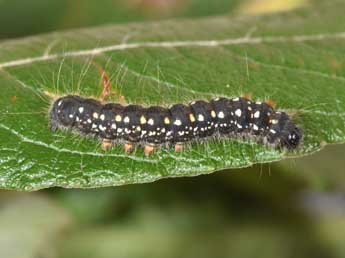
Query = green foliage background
x=287 y=209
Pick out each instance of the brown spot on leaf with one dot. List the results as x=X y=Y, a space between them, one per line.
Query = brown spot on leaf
x=335 y=65
x=13 y=98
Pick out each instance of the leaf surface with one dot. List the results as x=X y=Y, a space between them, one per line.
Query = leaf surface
x=294 y=58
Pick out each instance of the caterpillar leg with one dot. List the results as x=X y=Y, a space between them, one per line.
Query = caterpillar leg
x=106 y=87
x=106 y=144
x=178 y=147
x=129 y=147
x=148 y=149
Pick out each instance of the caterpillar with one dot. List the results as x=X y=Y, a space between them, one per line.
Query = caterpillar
x=178 y=124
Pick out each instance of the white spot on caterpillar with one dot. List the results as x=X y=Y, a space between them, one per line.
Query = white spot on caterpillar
x=113 y=126
x=236 y=99
x=273 y=131
x=102 y=117
x=151 y=122
x=257 y=114
x=59 y=103
x=126 y=120
x=95 y=115
x=178 y=122
x=221 y=114
x=70 y=116
x=274 y=121
x=81 y=110
x=238 y=112
x=239 y=126
x=102 y=128
x=89 y=120
x=213 y=114
x=255 y=127
x=201 y=118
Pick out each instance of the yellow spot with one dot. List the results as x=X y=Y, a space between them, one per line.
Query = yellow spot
x=213 y=114
x=118 y=118
x=270 y=6
x=273 y=121
x=142 y=120
x=95 y=115
x=191 y=117
x=166 y=120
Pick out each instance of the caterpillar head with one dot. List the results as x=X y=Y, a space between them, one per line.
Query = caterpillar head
x=292 y=136
x=63 y=112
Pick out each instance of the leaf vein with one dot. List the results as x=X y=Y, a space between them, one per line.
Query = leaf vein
x=177 y=44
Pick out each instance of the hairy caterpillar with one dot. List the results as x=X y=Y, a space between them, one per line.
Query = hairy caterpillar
x=152 y=126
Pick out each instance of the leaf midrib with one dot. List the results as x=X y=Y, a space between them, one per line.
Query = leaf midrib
x=246 y=40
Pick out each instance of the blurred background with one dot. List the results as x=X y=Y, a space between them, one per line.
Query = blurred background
x=293 y=208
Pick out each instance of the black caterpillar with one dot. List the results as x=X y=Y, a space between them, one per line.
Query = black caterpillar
x=178 y=124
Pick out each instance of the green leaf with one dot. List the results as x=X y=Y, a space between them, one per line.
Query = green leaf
x=294 y=58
